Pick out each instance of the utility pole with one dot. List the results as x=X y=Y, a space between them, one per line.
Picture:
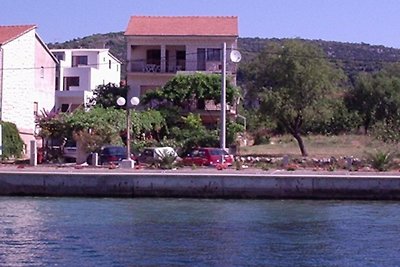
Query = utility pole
x=223 y=98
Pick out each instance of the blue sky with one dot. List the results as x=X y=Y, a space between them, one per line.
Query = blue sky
x=369 y=21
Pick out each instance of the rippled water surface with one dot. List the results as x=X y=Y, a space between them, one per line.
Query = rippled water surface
x=191 y=232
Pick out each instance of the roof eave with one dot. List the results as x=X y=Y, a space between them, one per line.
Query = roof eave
x=46 y=48
x=193 y=35
x=18 y=35
x=114 y=57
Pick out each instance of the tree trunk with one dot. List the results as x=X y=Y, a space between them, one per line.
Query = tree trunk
x=81 y=154
x=299 y=140
x=367 y=122
x=366 y=127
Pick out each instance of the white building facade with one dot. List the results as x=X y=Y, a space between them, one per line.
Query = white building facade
x=80 y=72
x=27 y=78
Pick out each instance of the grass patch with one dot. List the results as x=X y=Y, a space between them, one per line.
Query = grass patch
x=319 y=146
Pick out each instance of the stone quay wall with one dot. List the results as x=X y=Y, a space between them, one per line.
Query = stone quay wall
x=200 y=185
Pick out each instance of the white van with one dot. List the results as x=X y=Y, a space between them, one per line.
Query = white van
x=152 y=155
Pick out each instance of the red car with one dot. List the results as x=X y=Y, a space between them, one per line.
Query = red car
x=207 y=156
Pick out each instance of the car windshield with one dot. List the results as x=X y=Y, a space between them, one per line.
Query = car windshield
x=70 y=143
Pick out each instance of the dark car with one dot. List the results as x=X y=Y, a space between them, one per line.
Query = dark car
x=208 y=156
x=111 y=154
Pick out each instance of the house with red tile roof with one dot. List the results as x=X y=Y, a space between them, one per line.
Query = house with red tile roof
x=27 y=78
x=159 y=47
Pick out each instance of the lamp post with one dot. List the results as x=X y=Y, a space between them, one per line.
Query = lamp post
x=235 y=57
x=134 y=101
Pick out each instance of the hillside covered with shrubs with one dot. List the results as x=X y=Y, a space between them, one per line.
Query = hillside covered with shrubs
x=352 y=57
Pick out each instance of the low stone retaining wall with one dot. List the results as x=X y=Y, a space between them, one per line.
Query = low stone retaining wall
x=252 y=186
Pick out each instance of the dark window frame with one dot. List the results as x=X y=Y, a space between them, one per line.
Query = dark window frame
x=79 y=60
x=71 y=81
x=213 y=54
x=153 y=56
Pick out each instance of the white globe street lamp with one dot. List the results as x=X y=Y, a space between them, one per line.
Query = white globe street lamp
x=121 y=101
x=134 y=101
x=235 y=57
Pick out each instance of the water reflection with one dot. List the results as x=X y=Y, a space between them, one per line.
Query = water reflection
x=181 y=232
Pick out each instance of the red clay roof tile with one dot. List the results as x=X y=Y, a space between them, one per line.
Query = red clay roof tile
x=8 y=33
x=183 y=25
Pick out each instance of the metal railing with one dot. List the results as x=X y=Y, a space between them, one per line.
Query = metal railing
x=142 y=66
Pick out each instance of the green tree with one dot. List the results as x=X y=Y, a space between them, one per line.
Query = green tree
x=192 y=133
x=149 y=122
x=191 y=92
x=52 y=125
x=98 y=126
x=375 y=97
x=291 y=80
x=334 y=119
x=106 y=95
x=13 y=145
x=94 y=128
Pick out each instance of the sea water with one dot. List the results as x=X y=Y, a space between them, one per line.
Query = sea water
x=197 y=232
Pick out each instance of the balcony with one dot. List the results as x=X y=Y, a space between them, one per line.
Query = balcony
x=210 y=67
x=141 y=66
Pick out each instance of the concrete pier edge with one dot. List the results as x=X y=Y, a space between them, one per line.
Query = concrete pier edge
x=201 y=185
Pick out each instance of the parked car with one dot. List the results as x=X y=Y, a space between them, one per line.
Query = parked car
x=153 y=155
x=111 y=154
x=69 y=151
x=207 y=156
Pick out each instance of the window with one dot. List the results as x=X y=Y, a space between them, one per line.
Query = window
x=70 y=81
x=180 y=60
x=57 y=83
x=154 y=56
x=79 y=60
x=109 y=64
x=59 y=55
x=64 y=107
x=42 y=72
x=35 y=108
x=213 y=54
x=201 y=59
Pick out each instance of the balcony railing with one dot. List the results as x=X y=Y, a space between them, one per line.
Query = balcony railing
x=142 y=66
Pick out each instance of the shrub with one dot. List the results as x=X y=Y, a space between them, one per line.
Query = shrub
x=13 y=145
x=262 y=137
x=232 y=130
x=261 y=140
x=167 y=159
x=167 y=162
x=238 y=164
x=137 y=146
x=381 y=160
x=387 y=131
x=334 y=119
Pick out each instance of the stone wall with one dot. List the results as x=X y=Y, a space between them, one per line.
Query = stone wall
x=252 y=186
